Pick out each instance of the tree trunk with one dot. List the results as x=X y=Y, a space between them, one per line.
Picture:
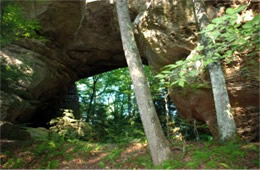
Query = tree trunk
x=3 y=4
x=129 y=104
x=226 y=123
x=158 y=144
x=166 y=105
x=92 y=98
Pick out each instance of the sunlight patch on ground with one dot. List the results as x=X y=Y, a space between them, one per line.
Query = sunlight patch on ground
x=134 y=147
x=97 y=157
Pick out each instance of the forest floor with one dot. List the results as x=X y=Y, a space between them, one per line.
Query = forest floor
x=75 y=154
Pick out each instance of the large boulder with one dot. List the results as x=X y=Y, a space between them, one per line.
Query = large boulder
x=38 y=133
x=13 y=132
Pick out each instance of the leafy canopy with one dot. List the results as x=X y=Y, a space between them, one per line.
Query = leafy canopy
x=14 y=25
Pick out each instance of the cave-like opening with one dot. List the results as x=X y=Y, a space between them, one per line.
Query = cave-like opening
x=107 y=104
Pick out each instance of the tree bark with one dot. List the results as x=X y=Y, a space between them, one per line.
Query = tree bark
x=167 y=112
x=158 y=144
x=226 y=123
x=92 y=98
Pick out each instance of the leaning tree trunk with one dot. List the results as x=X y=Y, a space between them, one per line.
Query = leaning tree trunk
x=158 y=144
x=226 y=123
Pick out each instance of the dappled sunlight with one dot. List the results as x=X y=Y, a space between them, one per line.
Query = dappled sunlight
x=74 y=163
x=109 y=1
x=76 y=154
x=16 y=63
x=155 y=38
x=136 y=73
x=134 y=148
x=246 y=16
x=89 y=1
x=52 y=144
x=229 y=112
x=95 y=157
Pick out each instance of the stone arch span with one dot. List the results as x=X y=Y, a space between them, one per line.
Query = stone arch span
x=84 y=40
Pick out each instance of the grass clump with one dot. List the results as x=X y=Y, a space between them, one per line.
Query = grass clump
x=14 y=163
x=217 y=156
x=171 y=164
x=145 y=161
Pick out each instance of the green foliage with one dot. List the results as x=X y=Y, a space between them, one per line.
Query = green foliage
x=101 y=164
x=14 y=163
x=67 y=126
x=211 y=164
x=47 y=154
x=13 y=73
x=226 y=36
x=145 y=160
x=14 y=25
x=192 y=130
x=256 y=162
x=113 y=115
x=10 y=72
x=53 y=147
x=193 y=165
x=210 y=155
x=53 y=164
x=112 y=156
x=109 y=106
x=171 y=164
x=224 y=156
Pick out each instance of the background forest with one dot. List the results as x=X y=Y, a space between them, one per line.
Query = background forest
x=108 y=106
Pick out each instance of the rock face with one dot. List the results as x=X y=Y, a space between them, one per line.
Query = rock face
x=13 y=132
x=84 y=40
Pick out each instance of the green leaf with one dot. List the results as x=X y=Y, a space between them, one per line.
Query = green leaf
x=200 y=47
x=241 y=8
x=217 y=20
x=232 y=11
x=181 y=83
x=215 y=34
x=173 y=83
x=180 y=62
x=256 y=19
x=182 y=72
x=224 y=165
x=210 y=27
x=160 y=76
x=248 y=25
x=166 y=72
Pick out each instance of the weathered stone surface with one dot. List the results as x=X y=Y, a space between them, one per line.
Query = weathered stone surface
x=38 y=133
x=85 y=40
x=13 y=132
x=5 y=129
x=59 y=20
x=242 y=77
x=38 y=74
x=165 y=31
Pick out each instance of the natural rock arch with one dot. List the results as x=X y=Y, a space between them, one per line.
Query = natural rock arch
x=85 y=40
